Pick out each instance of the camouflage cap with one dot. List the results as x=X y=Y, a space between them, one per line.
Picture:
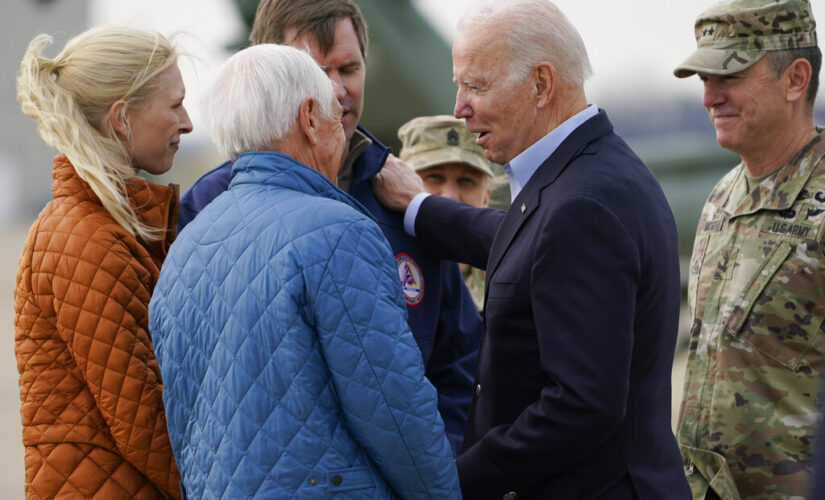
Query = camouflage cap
x=428 y=141
x=733 y=35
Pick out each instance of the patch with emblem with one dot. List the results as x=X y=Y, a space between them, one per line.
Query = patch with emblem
x=814 y=213
x=412 y=279
x=785 y=228
x=708 y=30
x=726 y=264
x=452 y=137
x=712 y=226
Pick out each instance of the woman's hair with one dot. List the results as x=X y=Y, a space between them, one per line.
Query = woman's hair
x=70 y=97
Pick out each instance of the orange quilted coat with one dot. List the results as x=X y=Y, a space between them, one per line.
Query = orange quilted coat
x=90 y=386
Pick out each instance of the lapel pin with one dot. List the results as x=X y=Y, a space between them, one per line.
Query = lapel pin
x=523 y=208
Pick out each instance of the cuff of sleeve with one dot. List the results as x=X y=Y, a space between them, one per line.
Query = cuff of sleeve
x=412 y=213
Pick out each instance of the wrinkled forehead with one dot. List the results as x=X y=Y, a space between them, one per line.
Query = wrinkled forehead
x=479 y=38
x=479 y=55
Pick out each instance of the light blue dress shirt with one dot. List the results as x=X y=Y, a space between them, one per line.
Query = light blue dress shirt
x=521 y=168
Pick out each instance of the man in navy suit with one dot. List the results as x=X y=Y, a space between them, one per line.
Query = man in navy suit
x=572 y=396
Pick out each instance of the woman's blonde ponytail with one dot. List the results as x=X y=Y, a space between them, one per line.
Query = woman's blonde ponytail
x=69 y=98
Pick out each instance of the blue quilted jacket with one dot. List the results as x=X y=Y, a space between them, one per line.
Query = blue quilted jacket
x=288 y=367
x=442 y=317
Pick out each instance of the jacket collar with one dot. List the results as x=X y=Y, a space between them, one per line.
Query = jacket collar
x=571 y=147
x=155 y=205
x=780 y=190
x=278 y=169
x=370 y=161
x=529 y=198
x=358 y=143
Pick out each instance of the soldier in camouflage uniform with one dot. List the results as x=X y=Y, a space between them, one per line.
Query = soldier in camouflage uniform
x=445 y=154
x=757 y=274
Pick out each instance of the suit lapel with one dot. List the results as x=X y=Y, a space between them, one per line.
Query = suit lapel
x=529 y=197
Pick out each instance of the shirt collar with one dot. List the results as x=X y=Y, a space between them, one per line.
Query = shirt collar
x=524 y=165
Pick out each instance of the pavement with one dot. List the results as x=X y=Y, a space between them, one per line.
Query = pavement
x=12 y=473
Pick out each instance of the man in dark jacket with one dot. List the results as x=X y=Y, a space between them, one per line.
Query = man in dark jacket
x=582 y=294
x=442 y=316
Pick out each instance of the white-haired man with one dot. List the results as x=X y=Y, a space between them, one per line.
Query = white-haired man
x=572 y=394
x=289 y=369
x=441 y=313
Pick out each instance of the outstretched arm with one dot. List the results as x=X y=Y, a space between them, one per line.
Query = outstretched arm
x=396 y=184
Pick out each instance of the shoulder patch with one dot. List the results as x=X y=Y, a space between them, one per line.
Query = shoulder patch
x=412 y=279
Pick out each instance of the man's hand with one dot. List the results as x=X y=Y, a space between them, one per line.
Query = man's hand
x=396 y=184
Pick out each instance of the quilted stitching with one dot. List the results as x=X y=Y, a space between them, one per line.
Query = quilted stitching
x=281 y=334
x=92 y=412
x=71 y=471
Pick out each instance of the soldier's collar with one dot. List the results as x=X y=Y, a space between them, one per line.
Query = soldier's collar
x=780 y=190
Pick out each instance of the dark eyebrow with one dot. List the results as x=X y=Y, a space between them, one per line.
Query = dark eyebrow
x=346 y=65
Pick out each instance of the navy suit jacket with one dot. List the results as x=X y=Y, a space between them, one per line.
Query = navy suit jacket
x=581 y=310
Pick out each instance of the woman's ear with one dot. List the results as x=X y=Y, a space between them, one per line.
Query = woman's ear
x=118 y=121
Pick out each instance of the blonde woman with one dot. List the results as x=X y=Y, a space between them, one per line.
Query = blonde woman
x=93 y=421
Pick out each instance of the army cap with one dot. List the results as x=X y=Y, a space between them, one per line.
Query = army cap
x=733 y=35
x=428 y=141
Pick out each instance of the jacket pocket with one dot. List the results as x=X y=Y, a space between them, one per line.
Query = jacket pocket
x=354 y=478
x=778 y=312
x=502 y=290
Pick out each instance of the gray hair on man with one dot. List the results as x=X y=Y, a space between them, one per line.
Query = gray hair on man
x=538 y=31
x=254 y=99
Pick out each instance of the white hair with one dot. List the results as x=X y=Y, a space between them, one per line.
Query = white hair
x=256 y=94
x=536 y=31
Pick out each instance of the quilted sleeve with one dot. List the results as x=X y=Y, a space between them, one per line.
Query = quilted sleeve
x=377 y=371
x=102 y=298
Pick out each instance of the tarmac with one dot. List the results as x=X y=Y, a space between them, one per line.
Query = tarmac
x=12 y=237
x=12 y=472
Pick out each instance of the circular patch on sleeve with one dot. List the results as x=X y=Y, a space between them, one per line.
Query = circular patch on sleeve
x=412 y=279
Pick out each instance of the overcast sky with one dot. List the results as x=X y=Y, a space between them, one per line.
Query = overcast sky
x=633 y=46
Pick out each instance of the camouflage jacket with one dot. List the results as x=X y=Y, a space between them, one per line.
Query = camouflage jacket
x=757 y=302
